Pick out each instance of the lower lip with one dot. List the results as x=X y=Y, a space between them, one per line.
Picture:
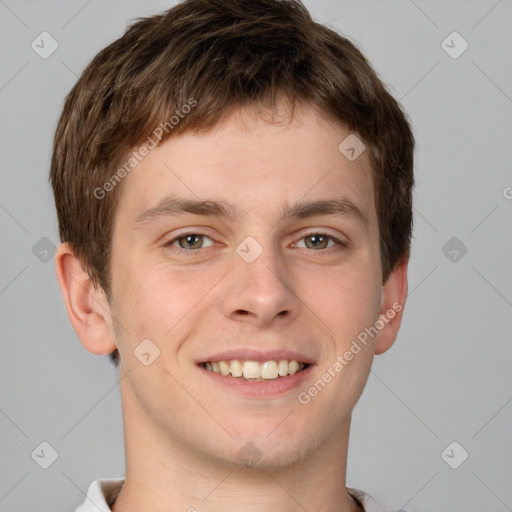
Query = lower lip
x=262 y=389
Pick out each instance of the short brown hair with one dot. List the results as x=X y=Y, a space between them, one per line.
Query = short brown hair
x=224 y=54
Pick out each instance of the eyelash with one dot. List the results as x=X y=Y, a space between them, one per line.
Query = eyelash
x=193 y=252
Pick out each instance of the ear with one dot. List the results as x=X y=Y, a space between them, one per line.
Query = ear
x=394 y=294
x=87 y=305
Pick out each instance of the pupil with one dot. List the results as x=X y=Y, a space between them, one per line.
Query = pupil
x=316 y=240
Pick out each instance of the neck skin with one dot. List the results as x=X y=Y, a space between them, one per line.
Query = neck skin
x=162 y=475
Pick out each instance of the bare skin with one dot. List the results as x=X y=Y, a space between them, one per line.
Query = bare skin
x=183 y=430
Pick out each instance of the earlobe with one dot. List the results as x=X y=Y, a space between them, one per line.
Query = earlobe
x=86 y=305
x=394 y=295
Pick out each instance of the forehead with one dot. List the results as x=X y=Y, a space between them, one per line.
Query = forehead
x=257 y=166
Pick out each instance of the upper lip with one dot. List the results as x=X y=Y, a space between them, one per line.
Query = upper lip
x=249 y=354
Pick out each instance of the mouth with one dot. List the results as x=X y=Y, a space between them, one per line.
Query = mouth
x=255 y=371
x=256 y=374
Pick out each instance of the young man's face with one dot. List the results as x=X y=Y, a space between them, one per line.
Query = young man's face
x=259 y=286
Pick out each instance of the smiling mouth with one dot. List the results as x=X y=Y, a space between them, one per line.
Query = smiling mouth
x=255 y=371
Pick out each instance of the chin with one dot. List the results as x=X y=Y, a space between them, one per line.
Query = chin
x=265 y=454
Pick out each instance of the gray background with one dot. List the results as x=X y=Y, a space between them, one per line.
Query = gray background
x=448 y=376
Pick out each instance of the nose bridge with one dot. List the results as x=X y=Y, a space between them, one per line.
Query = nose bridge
x=258 y=288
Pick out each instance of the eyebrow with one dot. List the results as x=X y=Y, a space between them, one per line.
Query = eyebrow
x=172 y=206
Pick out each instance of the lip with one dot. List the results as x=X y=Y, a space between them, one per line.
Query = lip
x=248 y=354
x=263 y=389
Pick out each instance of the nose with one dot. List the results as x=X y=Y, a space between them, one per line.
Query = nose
x=260 y=292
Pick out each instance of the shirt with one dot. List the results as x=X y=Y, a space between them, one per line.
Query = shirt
x=102 y=494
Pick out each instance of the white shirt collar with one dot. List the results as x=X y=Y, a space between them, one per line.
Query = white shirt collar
x=100 y=495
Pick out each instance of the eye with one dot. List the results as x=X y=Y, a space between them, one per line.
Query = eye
x=192 y=242
x=189 y=241
x=321 y=241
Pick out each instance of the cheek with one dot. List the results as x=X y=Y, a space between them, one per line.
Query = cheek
x=158 y=301
x=346 y=300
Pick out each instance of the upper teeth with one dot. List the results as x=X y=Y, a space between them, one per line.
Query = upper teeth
x=254 y=369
